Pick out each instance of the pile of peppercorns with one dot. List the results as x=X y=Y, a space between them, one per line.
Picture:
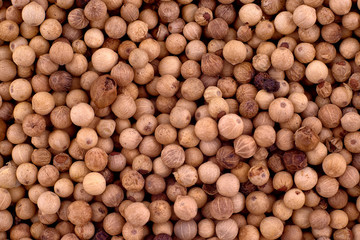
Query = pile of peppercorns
x=186 y=119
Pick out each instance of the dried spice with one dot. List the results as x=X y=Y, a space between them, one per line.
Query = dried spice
x=264 y=81
x=294 y=160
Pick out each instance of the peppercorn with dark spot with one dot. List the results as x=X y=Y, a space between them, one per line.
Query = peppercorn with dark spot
x=209 y=189
x=334 y=144
x=294 y=160
x=101 y=235
x=275 y=163
x=227 y=158
x=247 y=188
x=60 y=81
x=263 y=80
x=81 y=3
x=249 y=108
x=162 y=236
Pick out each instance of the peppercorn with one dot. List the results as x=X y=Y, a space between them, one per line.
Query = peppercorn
x=221 y=208
x=294 y=160
x=264 y=81
x=306 y=139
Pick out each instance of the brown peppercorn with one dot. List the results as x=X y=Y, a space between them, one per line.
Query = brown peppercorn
x=265 y=30
x=271 y=7
x=265 y=135
x=203 y=16
x=217 y=28
x=162 y=236
x=330 y=115
x=218 y=107
x=271 y=227
x=230 y=126
x=76 y=19
x=294 y=160
x=211 y=64
x=221 y=208
x=281 y=110
x=331 y=33
x=245 y=91
x=103 y=91
x=209 y=189
x=304 y=16
x=283 y=23
x=244 y=33
x=327 y=186
x=46 y=65
x=340 y=7
x=226 y=12
x=227 y=158
x=122 y=73
x=60 y=81
x=325 y=52
x=95 y=10
x=351 y=142
x=61 y=53
x=349 y=178
x=186 y=175
x=227 y=86
x=79 y=212
x=341 y=70
x=324 y=15
x=250 y=13
x=263 y=80
x=180 y=117
x=192 y=89
x=142 y=164
x=160 y=211
x=48 y=202
x=129 y=12
x=245 y=146
x=261 y=62
x=275 y=163
x=334 y=144
x=234 y=52
x=175 y=189
x=124 y=106
x=206 y=129
x=258 y=174
x=354 y=81
x=257 y=202
x=344 y=233
x=168 y=11
x=282 y=59
x=104 y=59
x=173 y=156
x=133 y=181
x=324 y=89
x=62 y=162
x=176 y=26
x=306 y=139
x=34 y=125
x=282 y=181
x=137 y=214
x=50 y=233
x=96 y=159
x=319 y=219
x=185 y=229
x=167 y=85
x=185 y=207
x=9 y=30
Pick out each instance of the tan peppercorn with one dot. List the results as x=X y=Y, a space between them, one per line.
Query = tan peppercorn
x=79 y=212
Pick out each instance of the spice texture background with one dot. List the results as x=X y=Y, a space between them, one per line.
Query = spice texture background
x=179 y=119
